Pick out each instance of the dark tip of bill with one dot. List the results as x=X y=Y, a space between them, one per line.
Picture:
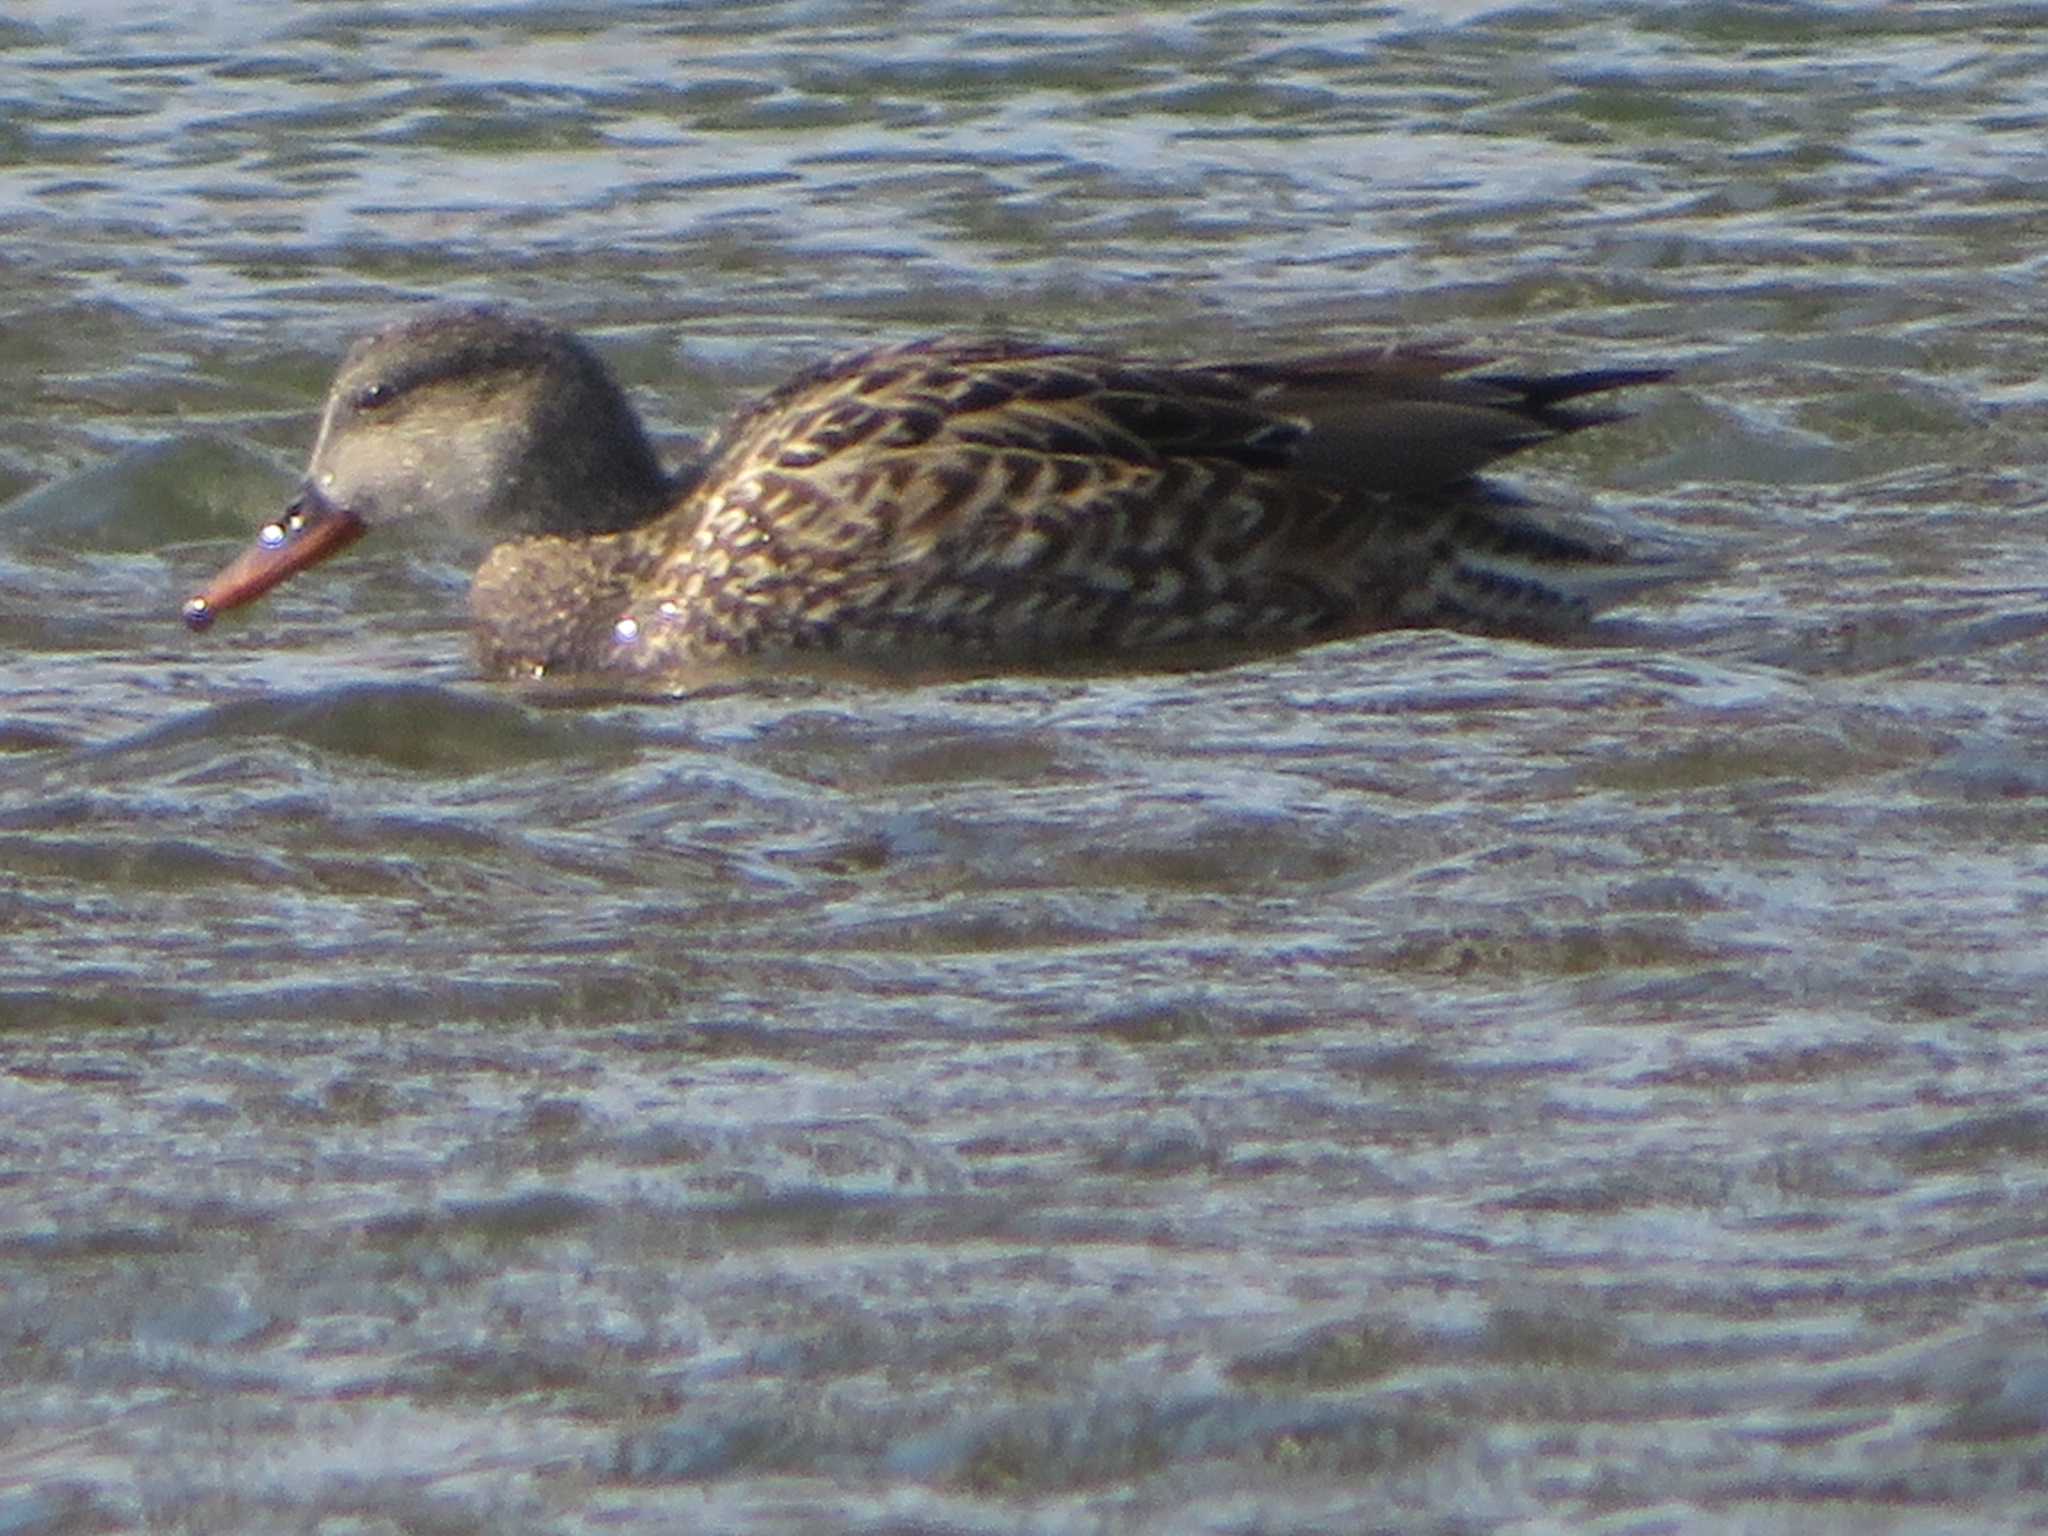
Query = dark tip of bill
x=198 y=614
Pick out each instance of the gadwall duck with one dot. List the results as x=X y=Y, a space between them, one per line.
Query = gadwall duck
x=950 y=505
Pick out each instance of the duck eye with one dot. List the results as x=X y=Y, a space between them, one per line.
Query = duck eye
x=371 y=396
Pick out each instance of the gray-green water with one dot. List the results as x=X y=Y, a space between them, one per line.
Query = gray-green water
x=1424 y=1084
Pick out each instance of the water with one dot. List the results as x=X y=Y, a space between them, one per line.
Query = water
x=1423 y=1084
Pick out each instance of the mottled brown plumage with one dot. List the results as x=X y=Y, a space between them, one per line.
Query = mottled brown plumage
x=951 y=505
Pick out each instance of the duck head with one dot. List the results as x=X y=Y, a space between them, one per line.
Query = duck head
x=500 y=424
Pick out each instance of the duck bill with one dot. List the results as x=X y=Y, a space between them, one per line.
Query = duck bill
x=311 y=529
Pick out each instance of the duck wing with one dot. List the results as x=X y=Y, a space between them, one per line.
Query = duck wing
x=1003 y=500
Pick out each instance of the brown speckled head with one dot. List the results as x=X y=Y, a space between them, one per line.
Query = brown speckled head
x=494 y=422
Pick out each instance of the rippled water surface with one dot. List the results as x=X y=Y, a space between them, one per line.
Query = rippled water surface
x=1425 y=1084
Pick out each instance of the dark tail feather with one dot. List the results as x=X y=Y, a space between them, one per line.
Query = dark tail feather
x=1544 y=395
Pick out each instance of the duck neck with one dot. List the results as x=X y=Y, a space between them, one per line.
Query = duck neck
x=604 y=480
